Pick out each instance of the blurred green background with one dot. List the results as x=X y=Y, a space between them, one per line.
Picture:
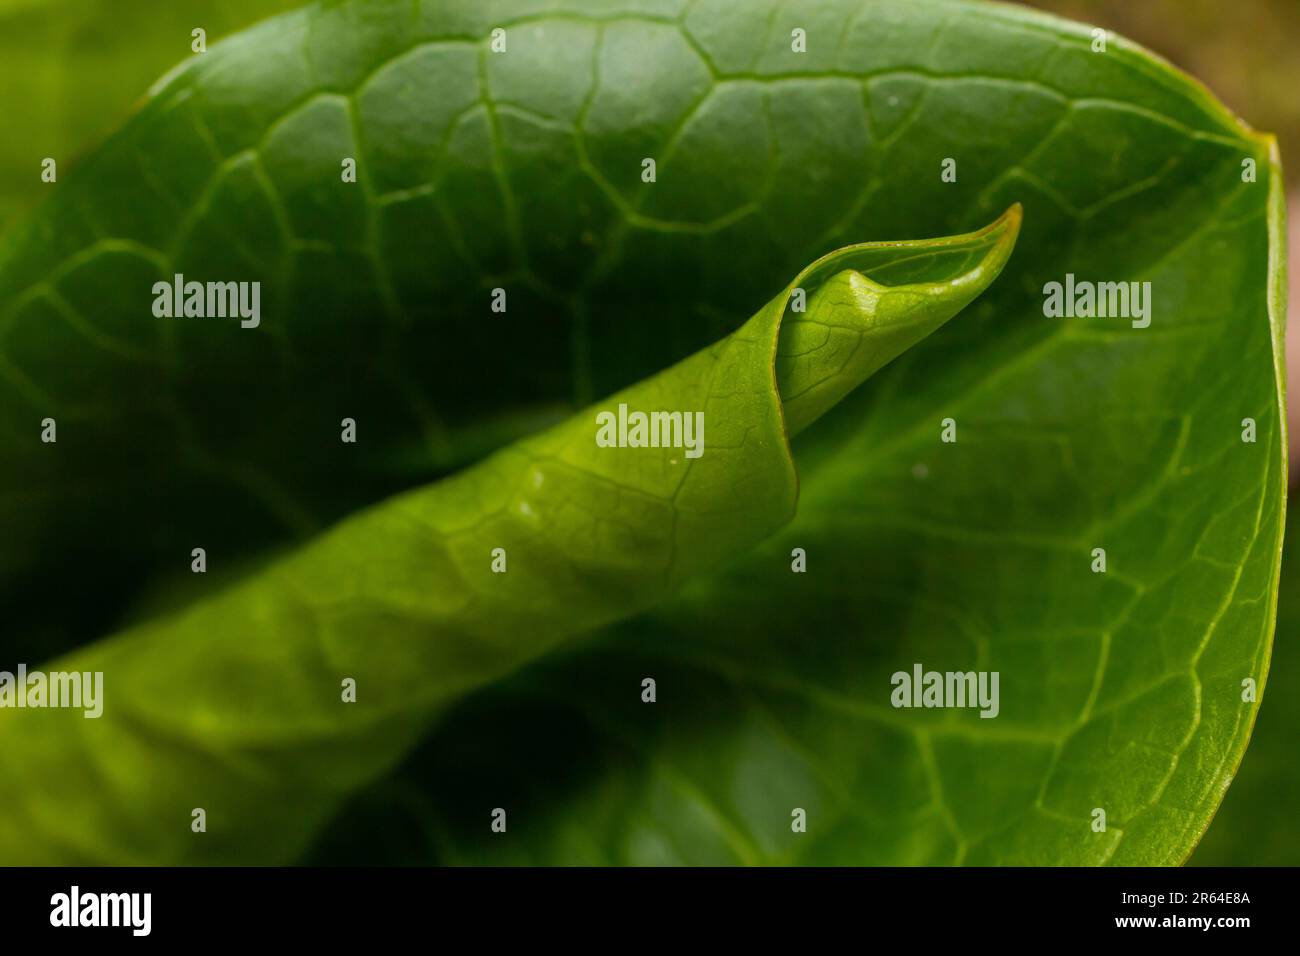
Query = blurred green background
x=72 y=70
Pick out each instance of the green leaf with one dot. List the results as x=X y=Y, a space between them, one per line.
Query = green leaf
x=1256 y=824
x=523 y=172
x=458 y=584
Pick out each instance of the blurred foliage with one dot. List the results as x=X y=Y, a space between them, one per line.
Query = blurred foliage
x=71 y=71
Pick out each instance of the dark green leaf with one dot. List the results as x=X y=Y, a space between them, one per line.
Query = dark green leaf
x=522 y=171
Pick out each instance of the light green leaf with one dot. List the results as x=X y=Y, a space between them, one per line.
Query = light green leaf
x=236 y=704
